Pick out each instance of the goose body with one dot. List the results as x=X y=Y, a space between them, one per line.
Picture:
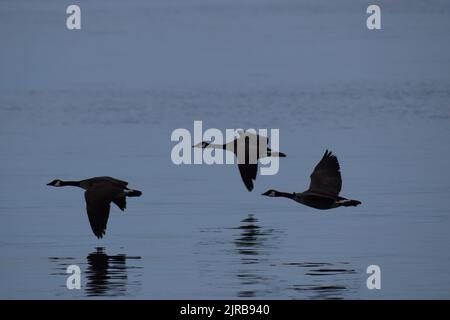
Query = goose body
x=100 y=192
x=246 y=149
x=324 y=189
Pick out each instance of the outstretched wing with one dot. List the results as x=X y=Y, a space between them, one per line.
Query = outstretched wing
x=248 y=165
x=248 y=173
x=255 y=142
x=116 y=181
x=98 y=201
x=121 y=202
x=326 y=177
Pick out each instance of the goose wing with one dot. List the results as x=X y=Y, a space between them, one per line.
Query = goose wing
x=96 y=181
x=115 y=181
x=247 y=169
x=121 y=202
x=258 y=142
x=256 y=136
x=326 y=177
x=248 y=174
x=98 y=200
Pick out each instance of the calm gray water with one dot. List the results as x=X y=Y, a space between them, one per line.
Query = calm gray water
x=104 y=101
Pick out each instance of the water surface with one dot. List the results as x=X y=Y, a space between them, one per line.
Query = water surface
x=105 y=100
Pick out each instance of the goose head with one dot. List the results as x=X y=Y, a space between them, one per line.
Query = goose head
x=270 y=193
x=55 y=183
x=202 y=145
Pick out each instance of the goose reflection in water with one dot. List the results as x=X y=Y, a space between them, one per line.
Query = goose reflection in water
x=102 y=275
x=251 y=241
x=253 y=244
x=107 y=275
x=323 y=280
x=319 y=280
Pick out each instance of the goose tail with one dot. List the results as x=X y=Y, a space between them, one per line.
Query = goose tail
x=276 y=154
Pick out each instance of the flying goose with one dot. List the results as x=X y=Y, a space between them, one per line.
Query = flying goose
x=323 y=192
x=246 y=141
x=100 y=192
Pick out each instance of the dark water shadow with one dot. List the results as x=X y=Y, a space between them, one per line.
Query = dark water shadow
x=246 y=261
x=253 y=245
x=102 y=274
x=324 y=280
x=237 y=259
x=261 y=275
x=107 y=275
